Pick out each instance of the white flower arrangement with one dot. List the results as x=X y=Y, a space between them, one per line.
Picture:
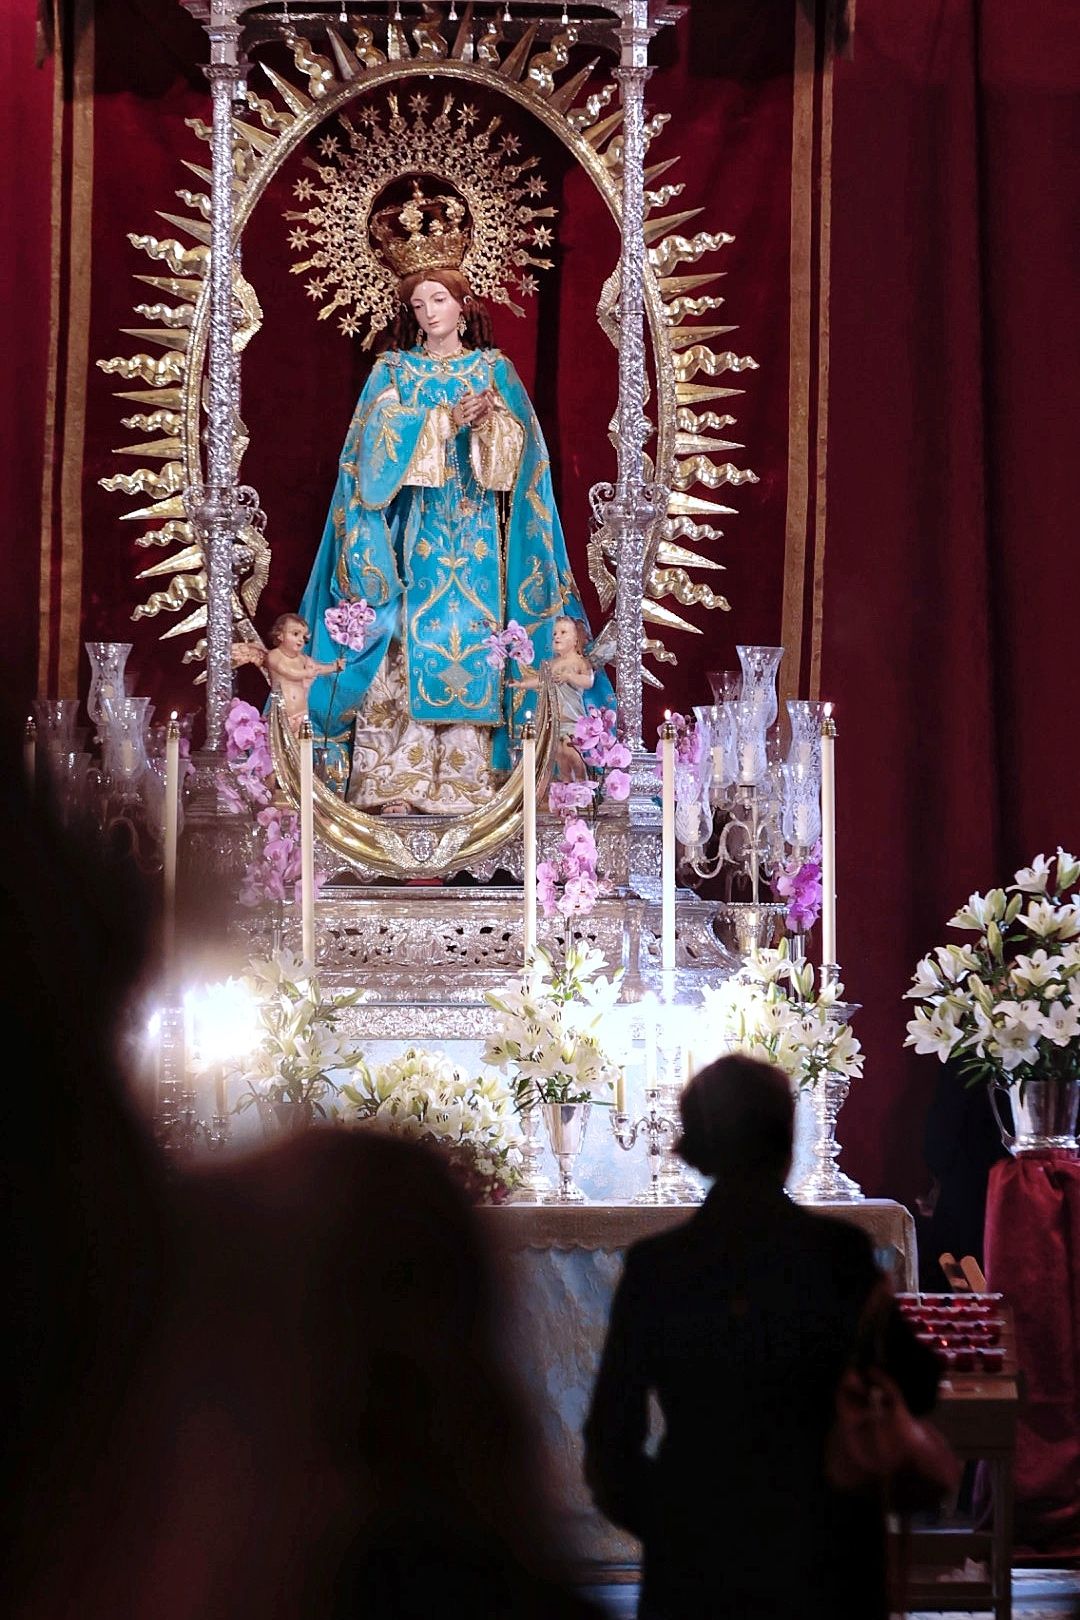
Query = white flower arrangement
x=1007 y=1006
x=772 y=1009
x=548 y=1032
x=297 y=1048
x=429 y=1098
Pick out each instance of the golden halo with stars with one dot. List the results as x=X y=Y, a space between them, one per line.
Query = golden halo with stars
x=356 y=167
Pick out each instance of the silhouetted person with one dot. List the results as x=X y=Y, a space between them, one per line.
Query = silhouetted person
x=741 y=1323
x=83 y=1250
x=961 y=1145
x=329 y=1431
x=270 y=1387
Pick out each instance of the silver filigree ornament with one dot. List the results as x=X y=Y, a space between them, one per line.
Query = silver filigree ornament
x=477 y=165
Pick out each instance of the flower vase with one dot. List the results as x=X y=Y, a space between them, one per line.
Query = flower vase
x=1044 y=1116
x=746 y=926
x=826 y=1183
x=280 y=1119
x=534 y=1185
x=565 y=1123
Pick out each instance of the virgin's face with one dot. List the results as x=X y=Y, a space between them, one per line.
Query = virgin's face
x=437 y=311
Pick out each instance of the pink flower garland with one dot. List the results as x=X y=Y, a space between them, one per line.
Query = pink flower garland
x=800 y=884
x=569 y=886
x=276 y=870
x=513 y=642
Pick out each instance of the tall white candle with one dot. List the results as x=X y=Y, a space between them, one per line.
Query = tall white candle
x=650 y=1044
x=620 y=1090
x=170 y=821
x=30 y=752
x=828 y=839
x=528 y=800
x=667 y=866
x=307 y=841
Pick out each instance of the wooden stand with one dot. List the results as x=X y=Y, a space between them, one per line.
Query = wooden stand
x=977 y=1413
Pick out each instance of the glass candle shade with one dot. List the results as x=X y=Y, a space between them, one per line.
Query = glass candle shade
x=125 y=722
x=751 y=750
x=759 y=668
x=107 y=663
x=55 y=720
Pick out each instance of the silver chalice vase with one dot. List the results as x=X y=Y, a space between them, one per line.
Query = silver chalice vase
x=565 y=1124
x=1044 y=1115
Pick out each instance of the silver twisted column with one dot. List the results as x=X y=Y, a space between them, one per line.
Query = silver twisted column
x=632 y=510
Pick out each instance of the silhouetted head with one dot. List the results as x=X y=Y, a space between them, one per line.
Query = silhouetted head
x=738 y=1118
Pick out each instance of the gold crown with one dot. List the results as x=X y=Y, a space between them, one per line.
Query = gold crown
x=434 y=238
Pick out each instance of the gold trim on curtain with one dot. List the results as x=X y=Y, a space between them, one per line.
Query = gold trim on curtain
x=48 y=464
x=78 y=349
x=817 y=606
x=800 y=298
x=808 y=385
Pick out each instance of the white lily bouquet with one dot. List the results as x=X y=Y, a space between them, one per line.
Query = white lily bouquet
x=428 y=1098
x=774 y=1010
x=297 y=1047
x=1007 y=1006
x=548 y=1032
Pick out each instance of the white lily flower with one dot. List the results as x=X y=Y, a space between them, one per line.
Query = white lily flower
x=1033 y=879
x=926 y=981
x=1046 y=920
x=980 y=910
x=934 y=1032
x=1014 y=1045
x=1025 y=1014
x=1061 y=1024
x=954 y=961
x=1034 y=971
x=1068 y=870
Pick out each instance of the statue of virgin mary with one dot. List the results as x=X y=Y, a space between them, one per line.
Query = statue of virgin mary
x=444 y=521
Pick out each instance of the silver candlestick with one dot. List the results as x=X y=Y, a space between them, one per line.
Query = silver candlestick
x=534 y=1185
x=659 y=1125
x=826 y=1183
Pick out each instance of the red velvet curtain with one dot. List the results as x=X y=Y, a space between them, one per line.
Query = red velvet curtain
x=26 y=138
x=938 y=542
x=955 y=369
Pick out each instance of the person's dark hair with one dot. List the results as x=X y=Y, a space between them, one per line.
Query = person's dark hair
x=738 y=1118
x=405 y=331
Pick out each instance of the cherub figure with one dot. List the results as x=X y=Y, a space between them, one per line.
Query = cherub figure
x=571 y=675
x=286 y=666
